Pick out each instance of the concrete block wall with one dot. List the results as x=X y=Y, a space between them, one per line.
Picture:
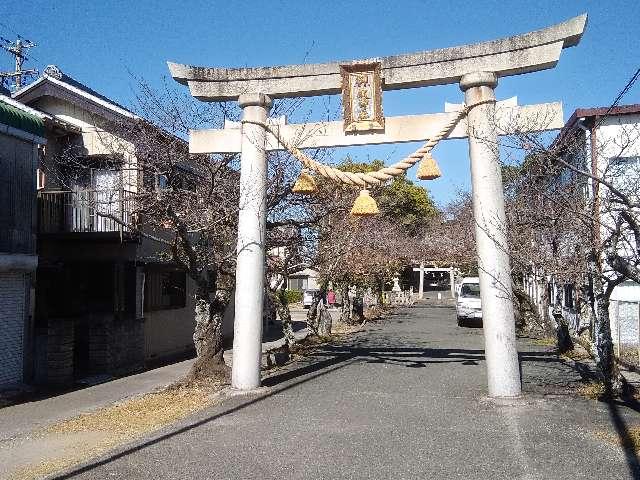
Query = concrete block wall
x=100 y=343
x=116 y=347
x=60 y=352
x=127 y=346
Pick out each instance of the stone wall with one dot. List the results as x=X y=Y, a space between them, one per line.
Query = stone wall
x=115 y=347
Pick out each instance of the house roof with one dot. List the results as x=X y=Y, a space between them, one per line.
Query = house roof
x=54 y=82
x=307 y=272
x=52 y=75
x=21 y=117
x=590 y=114
x=601 y=111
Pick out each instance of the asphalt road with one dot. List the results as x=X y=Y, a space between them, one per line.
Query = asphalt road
x=404 y=400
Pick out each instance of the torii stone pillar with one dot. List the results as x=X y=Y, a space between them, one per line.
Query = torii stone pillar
x=452 y=283
x=421 y=284
x=247 y=330
x=491 y=237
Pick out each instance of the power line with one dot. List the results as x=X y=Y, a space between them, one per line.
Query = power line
x=13 y=31
x=18 y=49
x=21 y=37
x=622 y=93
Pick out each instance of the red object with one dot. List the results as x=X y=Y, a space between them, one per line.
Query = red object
x=331 y=297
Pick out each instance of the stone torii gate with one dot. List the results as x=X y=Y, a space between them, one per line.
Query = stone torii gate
x=476 y=68
x=422 y=270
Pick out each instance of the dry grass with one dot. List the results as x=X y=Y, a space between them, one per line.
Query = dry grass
x=577 y=353
x=592 y=391
x=138 y=415
x=544 y=342
x=43 y=469
x=630 y=440
x=117 y=424
x=341 y=328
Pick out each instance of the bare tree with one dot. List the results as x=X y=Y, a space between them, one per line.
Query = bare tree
x=577 y=223
x=187 y=205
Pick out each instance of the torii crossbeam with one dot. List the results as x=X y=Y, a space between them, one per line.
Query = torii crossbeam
x=476 y=68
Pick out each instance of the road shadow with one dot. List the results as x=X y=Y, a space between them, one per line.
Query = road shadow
x=329 y=358
x=274 y=332
x=233 y=404
x=622 y=430
x=617 y=408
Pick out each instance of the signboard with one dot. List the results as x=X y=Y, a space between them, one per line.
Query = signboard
x=362 y=97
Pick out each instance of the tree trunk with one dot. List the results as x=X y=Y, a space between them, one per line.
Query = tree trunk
x=528 y=319
x=605 y=359
x=380 y=291
x=313 y=319
x=207 y=336
x=357 y=315
x=324 y=320
x=563 y=337
x=284 y=312
x=345 y=314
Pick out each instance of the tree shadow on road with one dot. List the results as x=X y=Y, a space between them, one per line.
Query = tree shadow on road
x=331 y=357
x=278 y=383
x=625 y=439
x=327 y=359
x=618 y=409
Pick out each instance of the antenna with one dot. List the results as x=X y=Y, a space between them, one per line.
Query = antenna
x=17 y=49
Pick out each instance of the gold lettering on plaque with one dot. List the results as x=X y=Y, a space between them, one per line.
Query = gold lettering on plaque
x=362 y=97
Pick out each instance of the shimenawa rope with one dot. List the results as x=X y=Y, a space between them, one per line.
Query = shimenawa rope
x=370 y=178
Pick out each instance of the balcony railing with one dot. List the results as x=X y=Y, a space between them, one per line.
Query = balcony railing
x=85 y=211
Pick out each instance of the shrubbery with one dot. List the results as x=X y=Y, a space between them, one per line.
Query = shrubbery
x=293 y=296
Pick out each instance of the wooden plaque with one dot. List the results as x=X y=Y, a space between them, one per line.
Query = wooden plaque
x=362 y=97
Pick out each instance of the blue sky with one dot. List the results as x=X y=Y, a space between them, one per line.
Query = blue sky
x=99 y=42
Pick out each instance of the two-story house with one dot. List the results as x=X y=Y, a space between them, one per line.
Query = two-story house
x=107 y=302
x=604 y=142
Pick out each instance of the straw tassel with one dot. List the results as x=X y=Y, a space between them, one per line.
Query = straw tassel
x=305 y=184
x=428 y=169
x=364 y=205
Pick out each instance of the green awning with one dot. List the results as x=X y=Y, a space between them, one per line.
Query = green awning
x=27 y=122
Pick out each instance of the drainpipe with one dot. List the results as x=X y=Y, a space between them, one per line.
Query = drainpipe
x=595 y=185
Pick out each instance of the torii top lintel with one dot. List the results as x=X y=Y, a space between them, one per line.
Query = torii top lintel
x=528 y=52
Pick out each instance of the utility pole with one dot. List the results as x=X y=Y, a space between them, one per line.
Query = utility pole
x=17 y=49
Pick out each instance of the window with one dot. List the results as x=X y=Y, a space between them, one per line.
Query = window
x=179 y=180
x=162 y=183
x=40 y=179
x=623 y=173
x=298 y=283
x=165 y=289
x=184 y=181
x=470 y=290
x=568 y=296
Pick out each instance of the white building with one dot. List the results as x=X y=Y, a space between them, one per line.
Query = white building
x=606 y=143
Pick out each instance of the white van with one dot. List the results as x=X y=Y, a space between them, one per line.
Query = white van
x=468 y=305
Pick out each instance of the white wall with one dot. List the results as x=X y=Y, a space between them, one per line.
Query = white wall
x=95 y=140
x=170 y=332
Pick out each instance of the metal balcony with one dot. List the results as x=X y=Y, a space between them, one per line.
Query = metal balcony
x=85 y=211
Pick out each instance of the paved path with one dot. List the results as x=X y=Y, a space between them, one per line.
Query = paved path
x=406 y=399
